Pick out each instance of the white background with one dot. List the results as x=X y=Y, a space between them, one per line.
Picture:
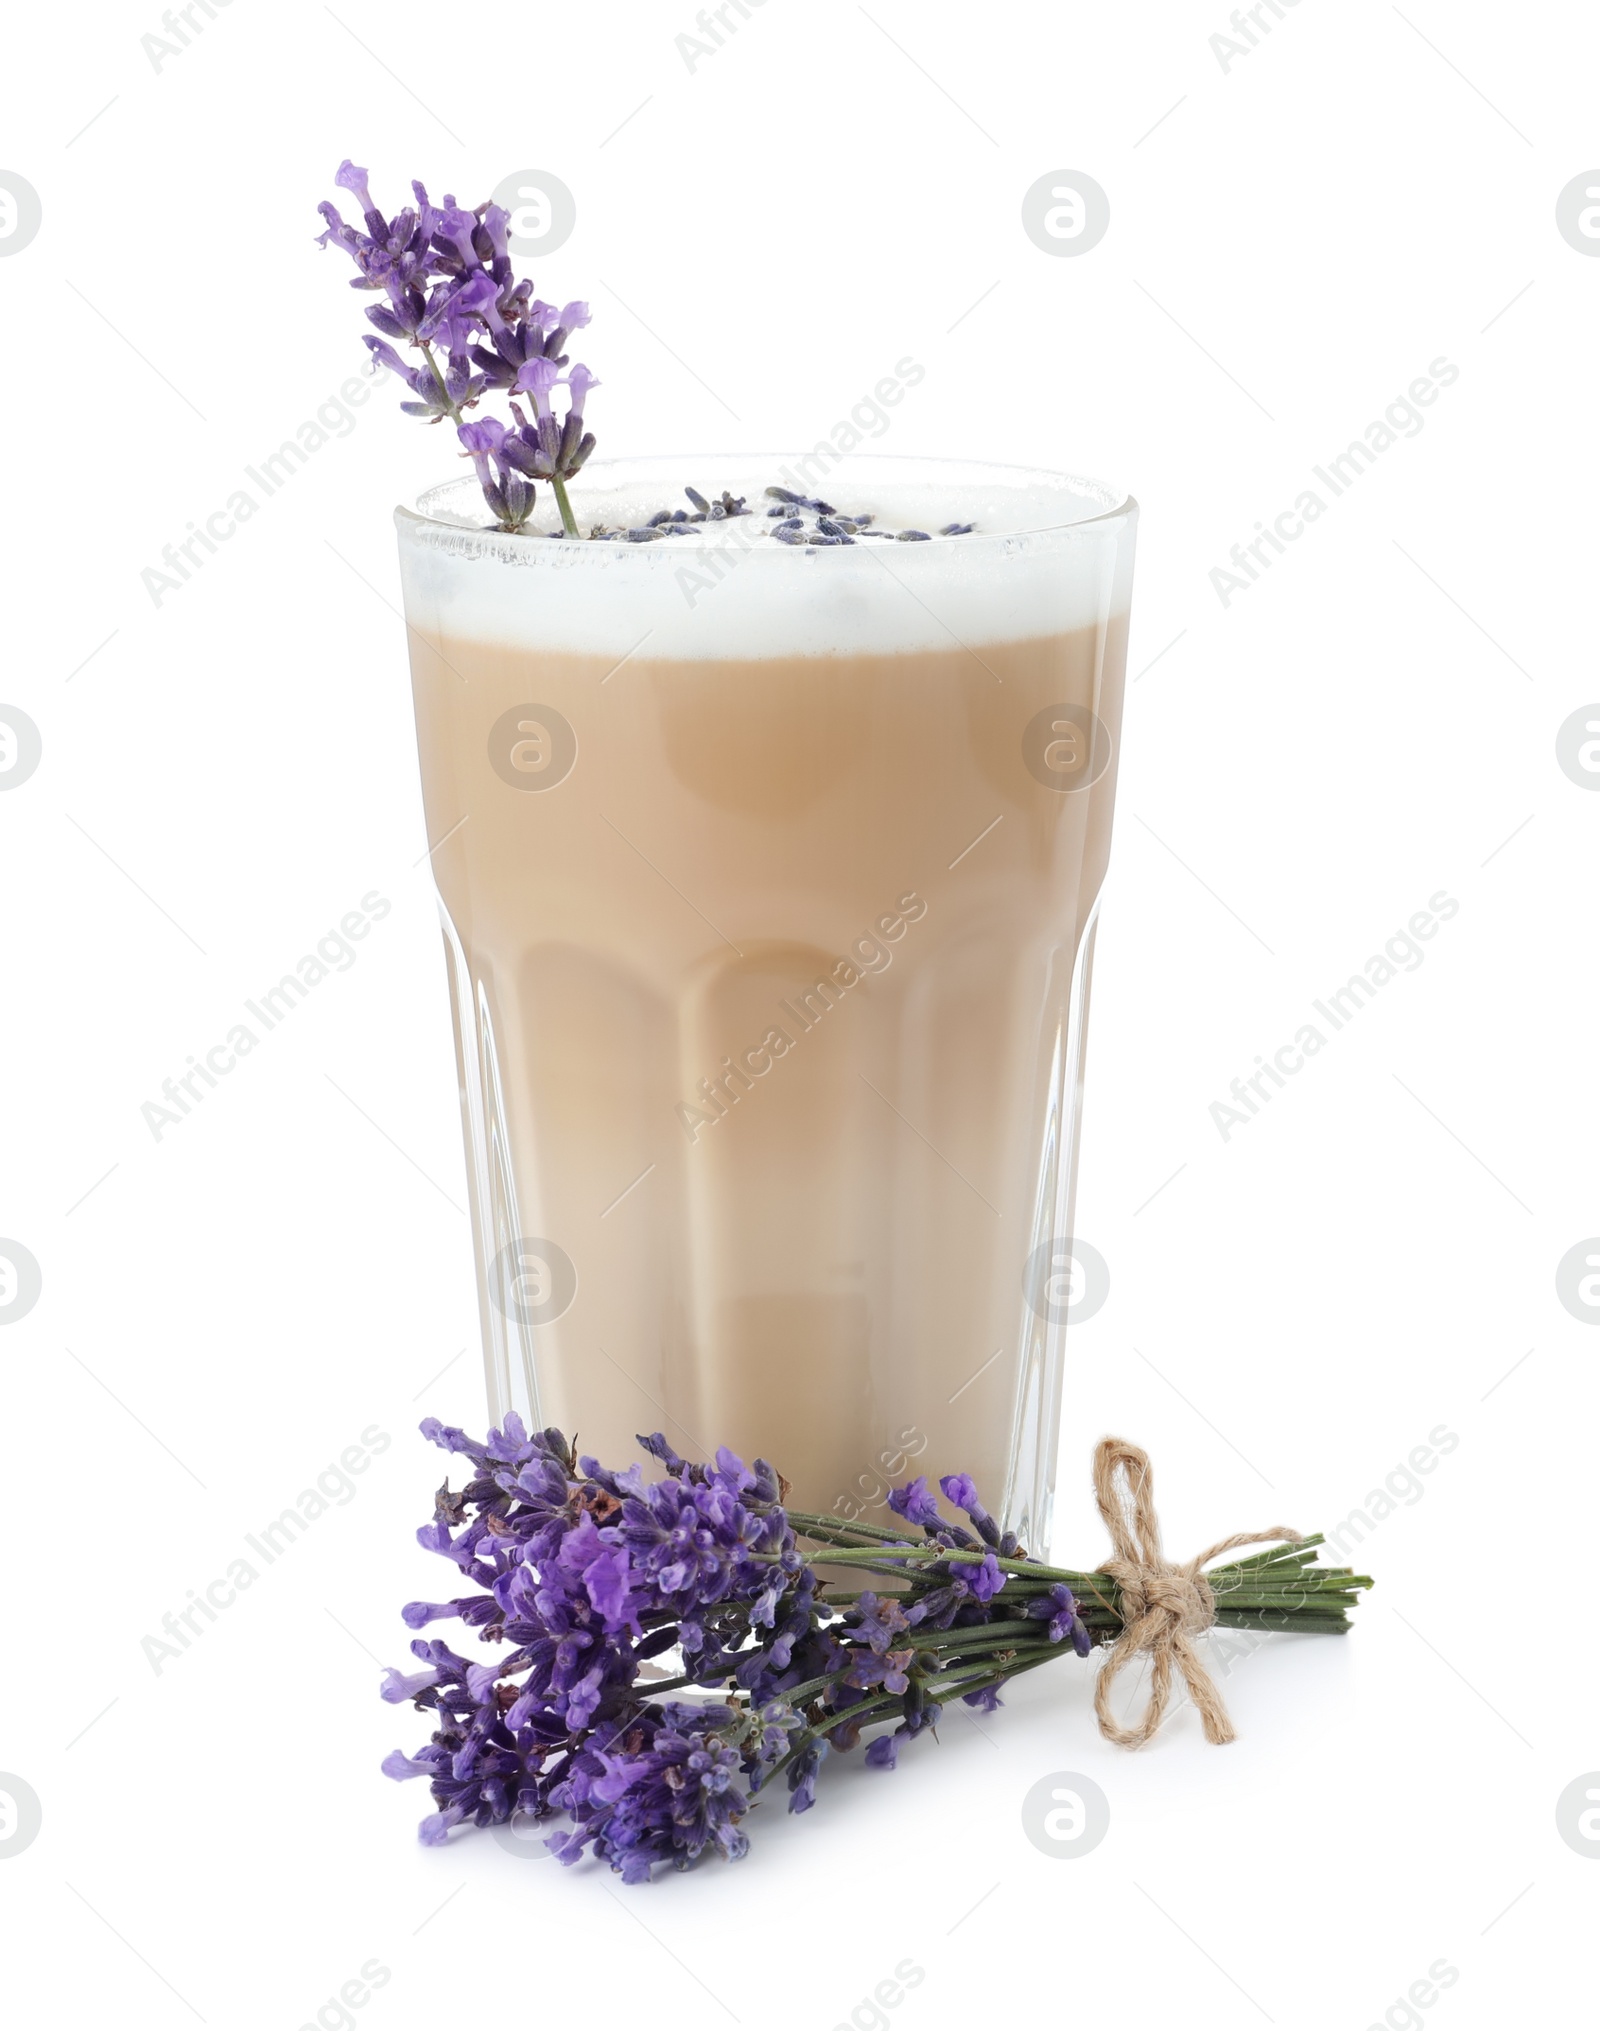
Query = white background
x=1293 y=240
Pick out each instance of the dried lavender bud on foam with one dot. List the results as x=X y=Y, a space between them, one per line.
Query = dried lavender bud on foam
x=754 y=585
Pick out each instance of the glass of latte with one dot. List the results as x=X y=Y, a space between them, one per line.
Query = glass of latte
x=769 y=827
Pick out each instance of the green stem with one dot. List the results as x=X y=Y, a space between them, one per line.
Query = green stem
x=810 y=1524
x=558 y=487
x=798 y=1694
x=850 y=1555
x=990 y=1636
x=971 y=1679
x=1262 y=1579
x=1275 y=1622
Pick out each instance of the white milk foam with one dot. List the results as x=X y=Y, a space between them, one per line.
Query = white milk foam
x=1043 y=559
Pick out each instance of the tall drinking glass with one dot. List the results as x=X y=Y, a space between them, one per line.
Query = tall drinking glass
x=768 y=877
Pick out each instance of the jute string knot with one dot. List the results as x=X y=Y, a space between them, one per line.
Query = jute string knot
x=1164 y=1606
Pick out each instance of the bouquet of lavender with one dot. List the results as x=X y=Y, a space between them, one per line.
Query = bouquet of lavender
x=450 y=296
x=592 y=1576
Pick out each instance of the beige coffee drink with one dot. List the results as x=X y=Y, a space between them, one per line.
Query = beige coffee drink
x=768 y=872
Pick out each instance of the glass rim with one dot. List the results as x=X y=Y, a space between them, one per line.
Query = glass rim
x=423 y=520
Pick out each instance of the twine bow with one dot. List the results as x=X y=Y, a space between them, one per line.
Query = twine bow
x=1163 y=1605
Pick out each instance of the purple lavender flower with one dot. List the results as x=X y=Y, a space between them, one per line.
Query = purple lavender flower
x=879 y=1620
x=666 y=1794
x=481 y=1763
x=456 y=312
x=886 y=1661
x=473 y=1609
x=1059 y=1608
x=482 y=441
x=985 y=1580
x=579 y=382
x=457 y=228
x=497 y=224
x=537 y=377
x=399 y=1765
x=603 y=1568
x=960 y=1490
x=354 y=180
x=962 y=1592
x=397 y=1687
x=803 y=1774
x=697 y=1538
x=446 y=276
x=915 y=1502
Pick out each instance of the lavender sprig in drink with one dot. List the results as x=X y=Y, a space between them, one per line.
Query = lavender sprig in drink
x=454 y=299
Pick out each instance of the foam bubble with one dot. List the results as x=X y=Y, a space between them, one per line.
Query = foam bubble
x=1049 y=552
